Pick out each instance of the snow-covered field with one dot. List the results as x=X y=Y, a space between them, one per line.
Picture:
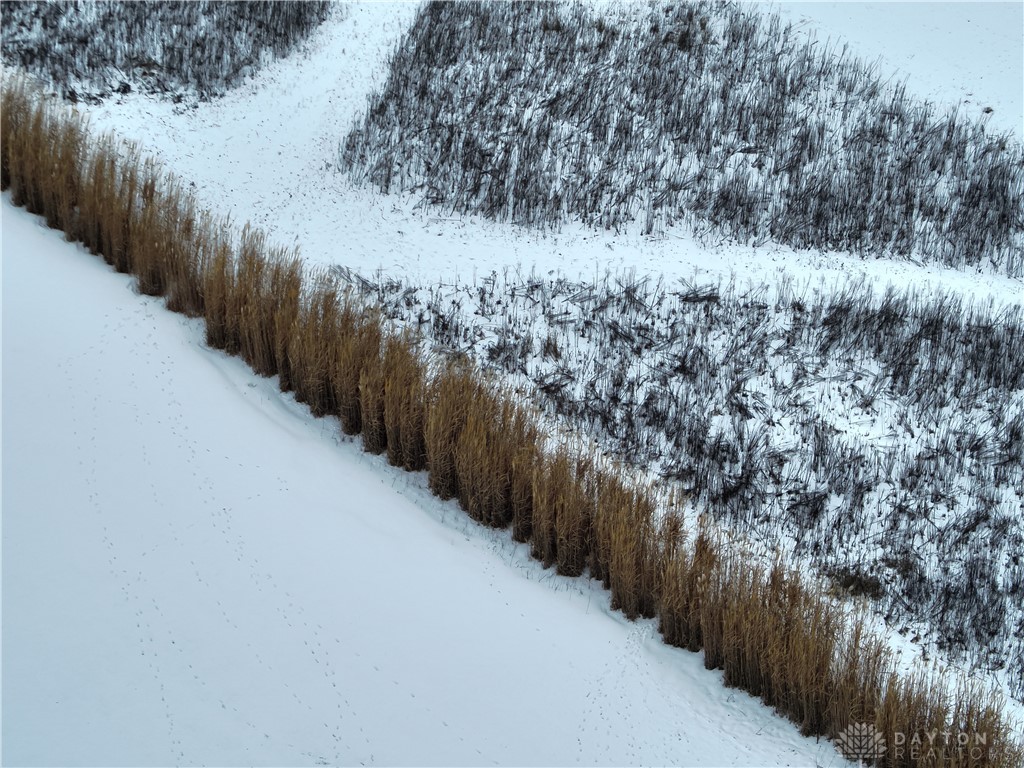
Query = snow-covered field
x=965 y=55
x=196 y=571
x=268 y=153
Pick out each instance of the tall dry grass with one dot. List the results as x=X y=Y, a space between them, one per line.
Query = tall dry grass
x=563 y=510
x=217 y=287
x=449 y=395
x=495 y=433
x=771 y=632
x=480 y=448
x=311 y=348
x=359 y=344
x=372 y=379
x=687 y=572
x=282 y=311
x=627 y=555
x=405 y=389
x=43 y=150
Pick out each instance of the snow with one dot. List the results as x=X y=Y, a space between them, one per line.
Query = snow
x=195 y=570
x=267 y=153
x=959 y=55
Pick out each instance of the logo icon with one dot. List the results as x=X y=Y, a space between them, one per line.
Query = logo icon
x=861 y=742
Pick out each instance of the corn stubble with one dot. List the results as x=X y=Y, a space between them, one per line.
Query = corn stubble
x=772 y=634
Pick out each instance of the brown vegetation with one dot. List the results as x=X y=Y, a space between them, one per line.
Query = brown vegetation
x=771 y=632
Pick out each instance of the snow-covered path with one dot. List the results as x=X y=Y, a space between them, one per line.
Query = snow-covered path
x=197 y=571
